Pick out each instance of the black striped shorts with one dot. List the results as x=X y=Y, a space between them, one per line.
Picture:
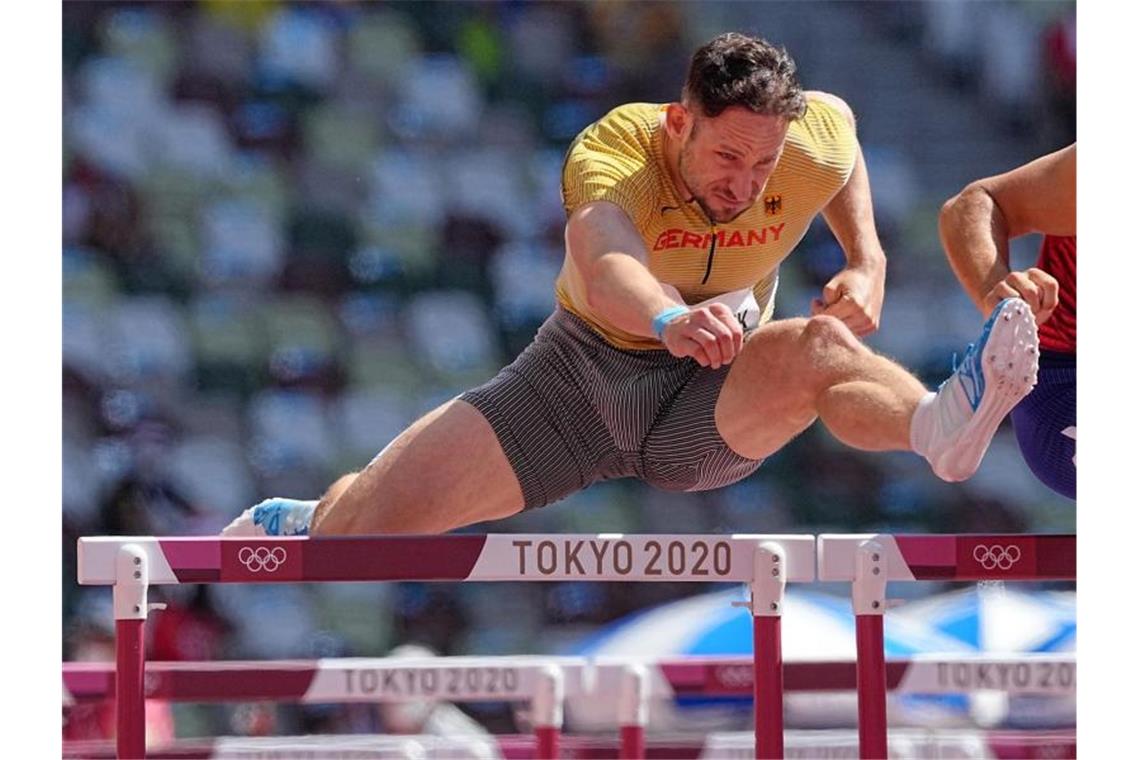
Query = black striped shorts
x=572 y=410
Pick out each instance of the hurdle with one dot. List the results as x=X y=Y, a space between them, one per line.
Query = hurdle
x=352 y=680
x=541 y=681
x=512 y=678
x=870 y=561
x=765 y=562
x=1038 y=674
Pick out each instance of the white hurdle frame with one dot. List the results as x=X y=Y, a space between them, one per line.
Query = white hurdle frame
x=765 y=562
x=635 y=682
x=510 y=678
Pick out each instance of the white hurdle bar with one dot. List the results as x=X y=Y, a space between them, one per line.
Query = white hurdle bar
x=509 y=678
x=765 y=562
x=514 y=678
x=870 y=561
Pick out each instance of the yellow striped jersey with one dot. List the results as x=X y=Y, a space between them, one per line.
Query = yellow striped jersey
x=621 y=159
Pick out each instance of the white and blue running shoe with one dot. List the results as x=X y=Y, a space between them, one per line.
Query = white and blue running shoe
x=274 y=517
x=996 y=372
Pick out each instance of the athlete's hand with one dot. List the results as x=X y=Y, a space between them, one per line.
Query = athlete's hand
x=711 y=335
x=1035 y=287
x=854 y=296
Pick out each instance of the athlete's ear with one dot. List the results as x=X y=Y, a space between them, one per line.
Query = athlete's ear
x=678 y=121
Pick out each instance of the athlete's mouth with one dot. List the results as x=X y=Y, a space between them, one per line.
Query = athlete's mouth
x=729 y=197
x=730 y=201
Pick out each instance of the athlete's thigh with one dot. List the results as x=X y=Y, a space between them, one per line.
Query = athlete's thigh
x=1045 y=423
x=767 y=398
x=445 y=471
x=683 y=450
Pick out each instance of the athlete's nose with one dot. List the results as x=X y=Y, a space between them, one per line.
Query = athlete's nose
x=741 y=187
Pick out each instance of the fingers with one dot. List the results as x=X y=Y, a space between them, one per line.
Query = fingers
x=710 y=343
x=715 y=338
x=732 y=337
x=1000 y=292
x=1048 y=288
x=1026 y=288
x=1037 y=288
x=832 y=292
x=692 y=348
x=711 y=335
x=851 y=313
x=847 y=298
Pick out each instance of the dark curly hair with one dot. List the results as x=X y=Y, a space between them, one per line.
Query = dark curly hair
x=737 y=70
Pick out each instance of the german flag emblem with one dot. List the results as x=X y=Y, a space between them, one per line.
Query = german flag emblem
x=772 y=204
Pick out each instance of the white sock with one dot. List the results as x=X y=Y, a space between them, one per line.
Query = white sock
x=922 y=424
x=302 y=517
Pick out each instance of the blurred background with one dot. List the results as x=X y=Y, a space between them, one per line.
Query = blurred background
x=289 y=229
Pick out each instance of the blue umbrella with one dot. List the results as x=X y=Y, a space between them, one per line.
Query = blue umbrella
x=815 y=626
x=996 y=619
x=999 y=619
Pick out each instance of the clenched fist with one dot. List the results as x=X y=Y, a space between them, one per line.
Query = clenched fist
x=709 y=334
x=1034 y=286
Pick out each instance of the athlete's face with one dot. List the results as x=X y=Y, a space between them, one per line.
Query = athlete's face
x=726 y=160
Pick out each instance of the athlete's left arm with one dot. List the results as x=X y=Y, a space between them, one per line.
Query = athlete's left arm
x=855 y=294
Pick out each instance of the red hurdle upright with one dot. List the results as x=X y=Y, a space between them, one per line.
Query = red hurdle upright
x=767 y=605
x=131 y=608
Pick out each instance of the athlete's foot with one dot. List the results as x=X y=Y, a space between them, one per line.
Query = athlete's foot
x=273 y=517
x=954 y=428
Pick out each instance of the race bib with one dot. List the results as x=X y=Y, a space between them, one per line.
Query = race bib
x=743 y=305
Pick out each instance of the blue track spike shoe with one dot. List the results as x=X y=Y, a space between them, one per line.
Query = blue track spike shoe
x=996 y=372
x=273 y=517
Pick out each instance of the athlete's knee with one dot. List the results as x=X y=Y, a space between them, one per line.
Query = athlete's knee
x=334 y=492
x=824 y=333
x=793 y=356
x=805 y=347
x=824 y=346
x=340 y=485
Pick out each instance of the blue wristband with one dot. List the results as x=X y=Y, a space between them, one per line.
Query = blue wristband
x=665 y=317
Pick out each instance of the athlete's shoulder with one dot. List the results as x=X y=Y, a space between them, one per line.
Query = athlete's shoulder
x=637 y=115
x=627 y=130
x=824 y=136
x=614 y=159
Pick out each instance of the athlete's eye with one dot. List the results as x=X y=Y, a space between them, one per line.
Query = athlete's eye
x=726 y=156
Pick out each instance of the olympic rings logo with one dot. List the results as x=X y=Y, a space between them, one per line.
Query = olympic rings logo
x=997 y=557
x=734 y=676
x=262 y=558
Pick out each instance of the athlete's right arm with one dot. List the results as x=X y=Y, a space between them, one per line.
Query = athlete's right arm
x=977 y=224
x=609 y=252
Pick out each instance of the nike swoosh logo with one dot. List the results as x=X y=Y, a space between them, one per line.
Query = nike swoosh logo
x=670 y=208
